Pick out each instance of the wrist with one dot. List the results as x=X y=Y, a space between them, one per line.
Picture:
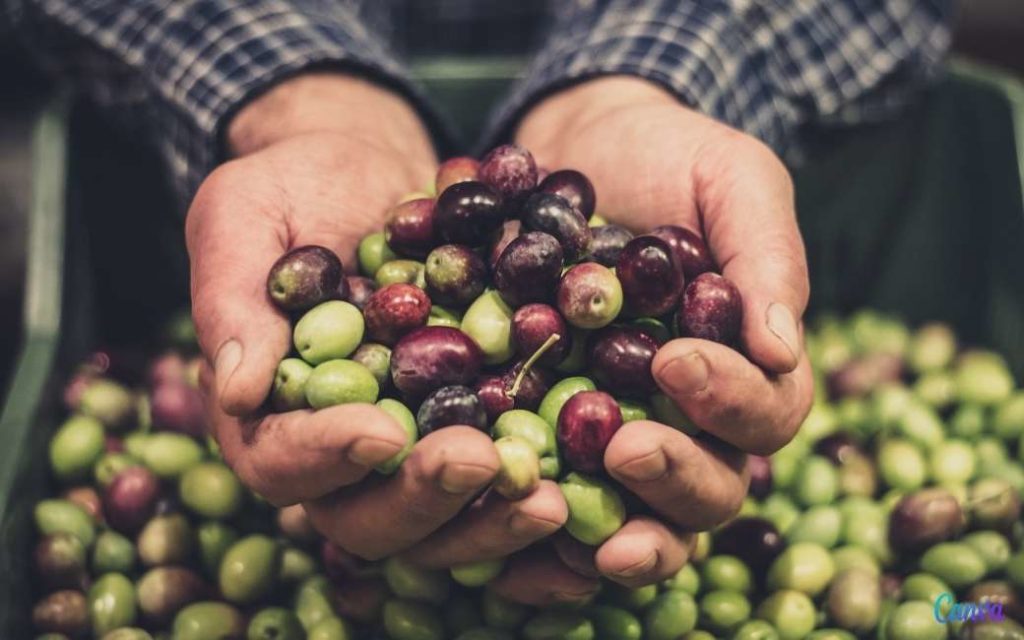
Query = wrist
x=327 y=102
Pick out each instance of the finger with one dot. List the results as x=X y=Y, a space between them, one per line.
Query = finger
x=494 y=528
x=537 y=577
x=642 y=552
x=301 y=455
x=574 y=554
x=746 y=198
x=727 y=395
x=232 y=244
x=696 y=483
x=445 y=470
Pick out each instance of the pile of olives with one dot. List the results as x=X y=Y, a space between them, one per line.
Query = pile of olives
x=504 y=304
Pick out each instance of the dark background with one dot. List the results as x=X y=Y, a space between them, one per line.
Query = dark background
x=990 y=30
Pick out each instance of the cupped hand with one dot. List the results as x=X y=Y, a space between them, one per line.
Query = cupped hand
x=320 y=159
x=655 y=162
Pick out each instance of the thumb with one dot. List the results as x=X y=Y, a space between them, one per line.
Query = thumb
x=750 y=220
x=232 y=245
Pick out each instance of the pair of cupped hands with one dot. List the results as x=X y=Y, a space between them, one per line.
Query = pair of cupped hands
x=319 y=159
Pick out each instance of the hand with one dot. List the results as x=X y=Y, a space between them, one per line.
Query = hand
x=653 y=162
x=319 y=160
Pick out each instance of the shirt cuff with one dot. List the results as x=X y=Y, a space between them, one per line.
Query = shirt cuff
x=697 y=51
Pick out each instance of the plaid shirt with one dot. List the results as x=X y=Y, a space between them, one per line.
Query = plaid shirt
x=178 y=69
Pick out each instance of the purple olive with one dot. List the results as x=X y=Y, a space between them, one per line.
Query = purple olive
x=453 y=170
x=651 y=279
x=586 y=424
x=178 y=406
x=394 y=311
x=411 y=227
x=760 y=469
x=62 y=612
x=532 y=388
x=455 y=275
x=304 y=277
x=169 y=367
x=469 y=213
x=755 y=541
x=555 y=216
x=434 y=357
x=692 y=254
x=510 y=170
x=529 y=269
x=493 y=393
x=862 y=375
x=448 y=406
x=711 y=309
x=131 y=499
x=61 y=562
x=533 y=325
x=620 y=359
x=925 y=518
x=608 y=242
x=574 y=187
x=838 y=447
x=360 y=289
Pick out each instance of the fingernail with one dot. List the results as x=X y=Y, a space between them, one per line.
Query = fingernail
x=229 y=356
x=645 y=468
x=685 y=375
x=783 y=325
x=639 y=568
x=463 y=478
x=372 y=451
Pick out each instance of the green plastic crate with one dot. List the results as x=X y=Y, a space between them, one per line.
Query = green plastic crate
x=923 y=216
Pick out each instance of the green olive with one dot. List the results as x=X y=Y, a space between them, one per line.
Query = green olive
x=821 y=524
x=111 y=603
x=488 y=321
x=852 y=555
x=790 y=612
x=249 y=569
x=208 y=621
x=108 y=402
x=558 y=625
x=687 y=579
x=596 y=510
x=407 y=421
x=530 y=427
x=289 y=392
x=109 y=465
x=414 y=583
x=401 y=271
x=331 y=629
x=921 y=425
x=374 y=252
x=780 y=510
x=76 y=447
x=724 y=611
x=211 y=490
x=169 y=455
x=167 y=539
x=613 y=623
x=411 y=620
x=992 y=546
x=726 y=572
x=670 y=615
x=831 y=634
x=1015 y=569
x=924 y=587
x=329 y=331
x=296 y=566
x=952 y=462
x=340 y=382
x=477 y=574
x=914 y=621
x=63 y=516
x=632 y=411
x=803 y=566
x=113 y=553
x=816 y=482
x=956 y=563
x=854 y=600
x=215 y=538
x=756 y=630
x=932 y=347
x=127 y=633
x=901 y=465
x=313 y=601
x=968 y=422
x=983 y=377
x=633 y=599
x=519 y=471
x=275 y=623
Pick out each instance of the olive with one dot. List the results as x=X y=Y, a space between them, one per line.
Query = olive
x=76 y=447
x=613 y=622
x=803 y=566
x=792 y=613
x=412 y=620
x=164 y=591
x=519 y=473
x=670 y=615
x=113 y=553
x=109 y=402
x=62 y=612
x=854 y=600
x=111 y=603
x=957 y=563
x=209 y=621
x=214 y=538
x=304 y=277
x=167 y=539
x=331 y=629
x=477 y=574
x=924 y=518
x=62 y=516
x=60 y=561
x=755 y=541
x=558 y=625
x=211 y=490
x=501 y=613
x=596 y=510
x=275 y=623
x=414 y=583
x=249 y=569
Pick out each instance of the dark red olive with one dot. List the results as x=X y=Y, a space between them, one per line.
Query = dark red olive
x=411 y=227
x=586 y=424
x=509 y=169
x=838 y=447
x=469 y=213
x=359 y=290
x=394 y=311
x=304 y=277
x=692 y=253
x=924 y=518
x=620 y=359
x=429 y=358
x=755 y=541
x=131 y=499
x=711 y=309
x=760 y=469
x=574 y=187
x=651 y=279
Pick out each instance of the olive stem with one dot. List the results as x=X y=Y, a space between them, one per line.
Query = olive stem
x=552 y=339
